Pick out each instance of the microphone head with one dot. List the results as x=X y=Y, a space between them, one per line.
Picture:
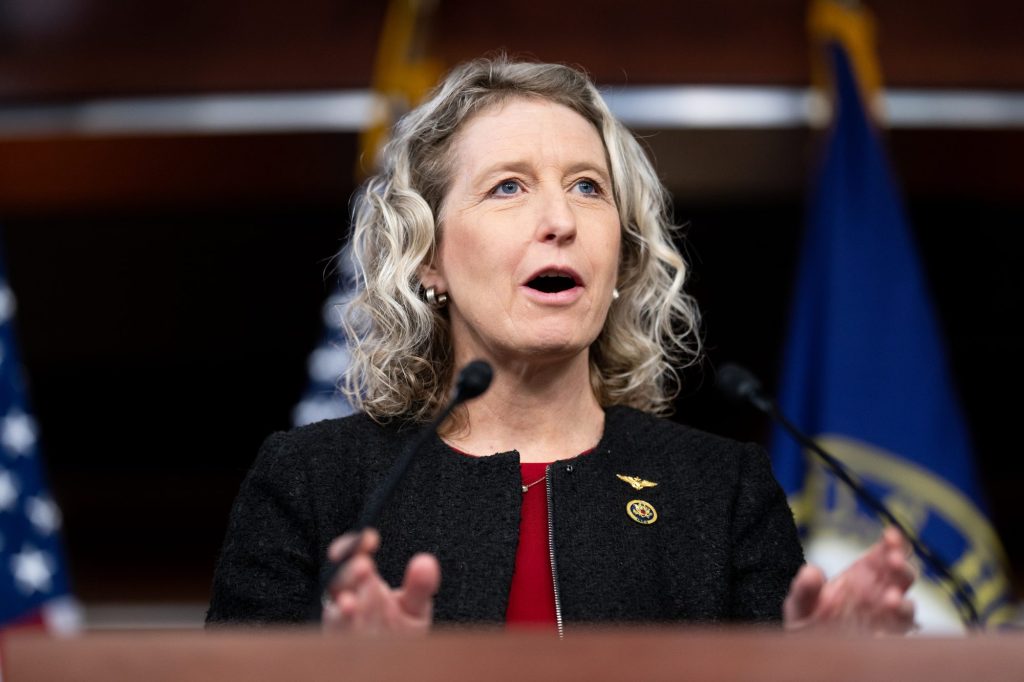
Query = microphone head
x=473 y=380
x=739 y=385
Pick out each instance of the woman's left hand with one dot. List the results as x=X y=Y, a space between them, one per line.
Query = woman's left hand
x=362 y=602
x=868 y=597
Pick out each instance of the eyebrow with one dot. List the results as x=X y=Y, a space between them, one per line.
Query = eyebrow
x=526 y=168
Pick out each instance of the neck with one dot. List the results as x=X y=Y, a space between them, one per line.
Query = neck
x=546 y=413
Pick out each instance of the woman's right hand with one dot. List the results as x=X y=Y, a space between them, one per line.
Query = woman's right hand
x=361 y=601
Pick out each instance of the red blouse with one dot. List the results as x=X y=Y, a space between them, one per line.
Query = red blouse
x=531 y=600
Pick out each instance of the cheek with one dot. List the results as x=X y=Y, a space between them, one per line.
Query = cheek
x=474 y=261
x=607 y=254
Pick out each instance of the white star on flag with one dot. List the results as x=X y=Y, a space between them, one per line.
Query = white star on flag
x=7 y=304
x=328 y=363
x=43 y=513
x=32 y=570
x=8 y=490
x=18 y=432
x=33 y=579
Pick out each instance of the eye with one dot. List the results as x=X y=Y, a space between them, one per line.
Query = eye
x=506 y=188
x=587 y=186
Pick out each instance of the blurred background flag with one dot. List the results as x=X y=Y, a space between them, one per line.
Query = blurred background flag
x=33 y=579
x=322 y=399
x=865 y=369
x=404 y=72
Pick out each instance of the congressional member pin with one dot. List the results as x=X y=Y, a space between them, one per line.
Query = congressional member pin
x=642 y=512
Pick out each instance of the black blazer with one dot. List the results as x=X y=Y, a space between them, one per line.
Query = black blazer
x=723 y=547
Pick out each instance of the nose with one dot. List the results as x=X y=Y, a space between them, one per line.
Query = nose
x=556 y=220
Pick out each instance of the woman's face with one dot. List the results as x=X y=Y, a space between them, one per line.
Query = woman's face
x=530 y=235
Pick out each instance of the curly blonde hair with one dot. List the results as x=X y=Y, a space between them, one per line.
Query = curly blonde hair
x=401 y=348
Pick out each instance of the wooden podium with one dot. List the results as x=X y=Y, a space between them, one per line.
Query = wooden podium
x=622 y=654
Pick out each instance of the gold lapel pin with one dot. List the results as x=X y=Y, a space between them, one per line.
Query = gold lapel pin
x=642 y=512
x=637 y=482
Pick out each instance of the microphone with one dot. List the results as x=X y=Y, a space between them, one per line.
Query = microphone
x=740 y=386
x=473 y=380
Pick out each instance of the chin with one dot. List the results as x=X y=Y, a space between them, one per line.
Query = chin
x=554 y=347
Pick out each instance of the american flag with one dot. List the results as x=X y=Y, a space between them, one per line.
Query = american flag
x=328 y=360
x=33 y=578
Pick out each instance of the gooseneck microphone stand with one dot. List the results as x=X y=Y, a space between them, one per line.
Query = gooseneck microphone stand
x=741 y=386
x=473 y=380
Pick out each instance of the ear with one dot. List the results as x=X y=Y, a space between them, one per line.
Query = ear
x=431 y=276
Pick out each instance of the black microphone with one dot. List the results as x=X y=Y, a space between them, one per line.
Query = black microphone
x=473 y=380
x=740 y=385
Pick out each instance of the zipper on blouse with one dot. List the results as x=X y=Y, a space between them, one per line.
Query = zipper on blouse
x=551 y=552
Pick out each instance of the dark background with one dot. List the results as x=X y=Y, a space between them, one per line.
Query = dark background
x=169 y=287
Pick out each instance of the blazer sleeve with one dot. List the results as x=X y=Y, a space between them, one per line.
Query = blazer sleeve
x=766 y=551
x=268 y=569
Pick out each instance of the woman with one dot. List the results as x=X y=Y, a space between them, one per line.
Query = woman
x=536 y=230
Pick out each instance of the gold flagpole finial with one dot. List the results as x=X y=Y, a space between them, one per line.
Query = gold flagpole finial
x=850 y=24
x=403 y=72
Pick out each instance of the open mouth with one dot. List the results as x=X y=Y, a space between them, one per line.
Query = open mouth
x=552 y=283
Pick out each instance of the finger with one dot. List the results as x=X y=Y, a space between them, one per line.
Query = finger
x=898 y=542
x=803 y=595
x=348 y=609
x=343 y=546
x=877 y=555
x=360 y=606
x=906 y=614
x=896 y=615
x=894 y=601
x=373 y=599
x=901 y=572
x=338 y=613
x=421 y=582
x=880 y=559
x=353 y=549
x=367 y=541
x=359 y=570
x=894 y=537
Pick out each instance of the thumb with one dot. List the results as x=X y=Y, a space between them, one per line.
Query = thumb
x=803 y=594
x=421 y=582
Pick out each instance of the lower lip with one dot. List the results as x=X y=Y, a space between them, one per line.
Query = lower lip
x=555 y=298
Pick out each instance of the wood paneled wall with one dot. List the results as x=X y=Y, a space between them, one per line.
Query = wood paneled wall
x=74 y=48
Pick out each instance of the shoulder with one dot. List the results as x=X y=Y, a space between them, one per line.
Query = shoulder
x=697 y=456
x=649 y=433
x=355 y=427
x=332 y=442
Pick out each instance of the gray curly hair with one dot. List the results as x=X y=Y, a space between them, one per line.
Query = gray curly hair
x=401 y=348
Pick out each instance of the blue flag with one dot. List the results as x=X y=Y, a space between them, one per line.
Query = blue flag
x=32 y=569
x=865 y=373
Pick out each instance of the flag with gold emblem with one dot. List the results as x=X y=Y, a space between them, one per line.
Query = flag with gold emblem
x=865 y=370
